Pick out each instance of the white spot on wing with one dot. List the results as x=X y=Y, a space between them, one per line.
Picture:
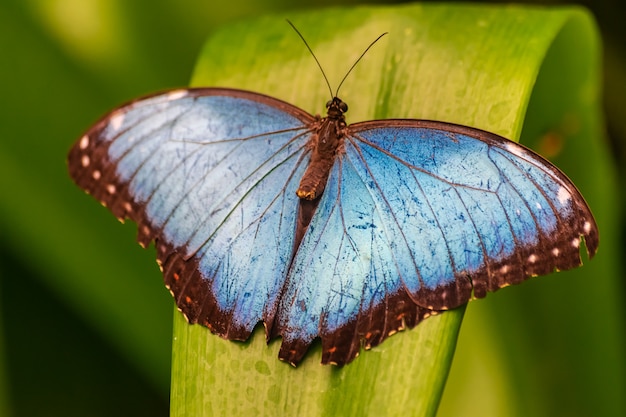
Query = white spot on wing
x=515 y=149
x=117 y=120
x=556 y=251
x=576 y=242
x=532 y=258
x=96 y=175
x=111 y=189
x=564 y=196
x=587 y=227
x=176 y=94
x=84 y=142
x=84 y=161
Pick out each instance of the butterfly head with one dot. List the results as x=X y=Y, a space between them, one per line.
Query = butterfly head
x=336 y=108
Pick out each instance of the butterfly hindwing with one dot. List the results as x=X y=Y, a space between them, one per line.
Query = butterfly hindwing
x=343 y=285
x=210 y=174
x=419 y=217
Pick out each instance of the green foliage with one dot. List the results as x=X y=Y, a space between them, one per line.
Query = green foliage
x=477 y=65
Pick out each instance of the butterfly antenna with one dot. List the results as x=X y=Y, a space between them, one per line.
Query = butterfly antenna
x=357 y=61
x=330 y=90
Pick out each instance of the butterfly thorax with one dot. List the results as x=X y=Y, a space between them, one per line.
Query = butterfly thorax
x=324 y=144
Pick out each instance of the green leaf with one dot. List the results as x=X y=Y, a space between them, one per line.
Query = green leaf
x=475 y=65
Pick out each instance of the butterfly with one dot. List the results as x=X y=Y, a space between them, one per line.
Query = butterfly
x=262 y=212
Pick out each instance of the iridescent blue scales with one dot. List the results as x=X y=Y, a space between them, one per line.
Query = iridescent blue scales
x=415 y=216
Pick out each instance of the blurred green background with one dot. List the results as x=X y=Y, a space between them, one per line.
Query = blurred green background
x=66 y=346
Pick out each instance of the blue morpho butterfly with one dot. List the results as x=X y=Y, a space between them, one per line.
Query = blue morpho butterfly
x=263 y=212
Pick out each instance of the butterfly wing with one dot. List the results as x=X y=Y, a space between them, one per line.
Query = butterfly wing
x=210 y=175
x=417 y=217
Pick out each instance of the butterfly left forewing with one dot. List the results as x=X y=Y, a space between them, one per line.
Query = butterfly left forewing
x=505 y=213
x=210 y=175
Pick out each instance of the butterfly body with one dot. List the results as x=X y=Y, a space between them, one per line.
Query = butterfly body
x=262 y=212
x=325 y=144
